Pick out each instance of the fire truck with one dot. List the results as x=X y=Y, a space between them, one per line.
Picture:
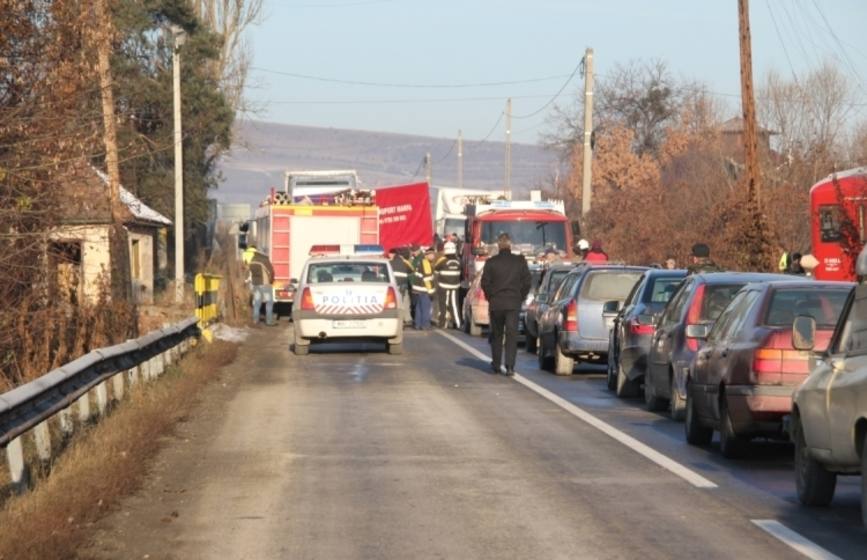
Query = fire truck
x=838 y=223
x=285 y=230
x=533 y=225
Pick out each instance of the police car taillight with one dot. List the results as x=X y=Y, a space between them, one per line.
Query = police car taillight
x=390 y=299
x=307 y=300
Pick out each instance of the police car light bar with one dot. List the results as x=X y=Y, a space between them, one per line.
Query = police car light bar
x=324 y=250
x=344 y=250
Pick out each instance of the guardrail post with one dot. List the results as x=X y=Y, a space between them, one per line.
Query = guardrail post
x=117 y=386
x=66 y=424
x=133 y=374
x=42 y=437
x=161 y=364
x=101 y=391
x=15 y=461
x=84 y=408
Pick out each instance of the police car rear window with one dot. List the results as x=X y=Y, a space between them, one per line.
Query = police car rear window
x=337 y=272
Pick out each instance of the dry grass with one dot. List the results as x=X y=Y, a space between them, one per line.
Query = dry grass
x=105 y=463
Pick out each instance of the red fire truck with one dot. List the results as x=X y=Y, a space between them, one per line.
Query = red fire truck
x=838 y=222
x=533 y=226
x=285 y=231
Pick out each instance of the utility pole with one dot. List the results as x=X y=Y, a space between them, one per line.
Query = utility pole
x=588 y=132
x=428 y=172
x=460 y=159
x=121 y=285
x=507 y=185
x=110 y=130
x=179 y=37
x=748 y=102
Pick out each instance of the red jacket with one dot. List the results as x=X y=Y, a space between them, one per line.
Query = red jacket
x=594 y=257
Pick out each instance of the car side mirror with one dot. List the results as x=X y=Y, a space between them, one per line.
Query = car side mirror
x=697 y=331
x=541 y=298
x=804 y=333
x=611 y=307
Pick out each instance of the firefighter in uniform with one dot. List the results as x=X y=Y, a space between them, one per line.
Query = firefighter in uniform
x=403 y=270
x=448 y=276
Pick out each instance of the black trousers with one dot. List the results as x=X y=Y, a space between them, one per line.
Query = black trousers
x=504 y=322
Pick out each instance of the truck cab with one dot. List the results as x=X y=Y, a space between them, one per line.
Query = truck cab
x=533 y=226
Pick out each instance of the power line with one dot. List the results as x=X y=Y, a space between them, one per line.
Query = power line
x=404 y=85
x=342 y=4
x=556 y=95
x=783 y=44
x=451 y=149
x=420 y=165
x=401 y=100
x=840 y=45
x=493 y=128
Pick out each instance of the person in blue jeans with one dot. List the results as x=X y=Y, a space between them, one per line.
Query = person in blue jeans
x=423 y=290
x=261 y=278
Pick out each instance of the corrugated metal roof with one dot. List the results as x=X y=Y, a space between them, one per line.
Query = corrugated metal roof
x=137 y=208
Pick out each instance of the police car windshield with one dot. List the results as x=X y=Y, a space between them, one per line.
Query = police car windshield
x=336 y=272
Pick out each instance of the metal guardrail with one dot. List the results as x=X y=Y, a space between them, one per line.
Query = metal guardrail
x=28 y=408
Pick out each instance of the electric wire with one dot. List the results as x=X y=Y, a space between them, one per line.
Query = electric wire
x=555 y=96
x=404 y=85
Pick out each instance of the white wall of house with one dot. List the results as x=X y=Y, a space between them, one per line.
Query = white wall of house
x=95 y=255
x=141 y=262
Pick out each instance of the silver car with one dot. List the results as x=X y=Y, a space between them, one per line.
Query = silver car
x=579 y=318
x=829 y=412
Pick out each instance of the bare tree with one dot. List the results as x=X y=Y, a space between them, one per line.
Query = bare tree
x=809 y=118
x=230 y=18
x=640 y=96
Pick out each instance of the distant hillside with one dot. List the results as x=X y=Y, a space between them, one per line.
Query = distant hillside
x=263 y=151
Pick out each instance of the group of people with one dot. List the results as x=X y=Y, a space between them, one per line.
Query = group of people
x=428 y=275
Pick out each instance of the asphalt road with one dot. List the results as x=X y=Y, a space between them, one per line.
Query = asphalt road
x=353 y=453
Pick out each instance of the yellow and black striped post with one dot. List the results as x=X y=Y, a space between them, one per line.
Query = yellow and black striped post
x=207 y=287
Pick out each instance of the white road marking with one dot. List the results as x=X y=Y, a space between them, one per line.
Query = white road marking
x=795 y=540
x=648 y=452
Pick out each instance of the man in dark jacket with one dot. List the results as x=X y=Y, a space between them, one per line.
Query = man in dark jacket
x=403 y=270
x=701 y=261
x=506 y=282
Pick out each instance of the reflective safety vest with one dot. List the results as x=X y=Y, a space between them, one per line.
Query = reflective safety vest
x=402 y=269
x=423 y=278
x=448 y=273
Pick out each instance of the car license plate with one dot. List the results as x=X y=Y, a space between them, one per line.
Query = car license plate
x=347 y=324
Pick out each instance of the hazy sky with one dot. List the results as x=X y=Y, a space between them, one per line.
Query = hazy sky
x=452 y=42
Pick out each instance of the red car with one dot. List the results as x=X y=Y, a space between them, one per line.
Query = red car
x=742 y=379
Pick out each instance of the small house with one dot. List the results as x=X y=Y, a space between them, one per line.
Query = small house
x=79 y=251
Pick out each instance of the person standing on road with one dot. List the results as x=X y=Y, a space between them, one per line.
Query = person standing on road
x=596 y=254
x=581 y=249
x=701 y=261
x=448 y=276
x=260 y=276
x=423 y=290
x=403 y=270
x=506 y=282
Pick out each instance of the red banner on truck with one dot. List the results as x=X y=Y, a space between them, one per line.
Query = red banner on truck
x=404 y=215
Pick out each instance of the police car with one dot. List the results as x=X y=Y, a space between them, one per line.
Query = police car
x=347 y=292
